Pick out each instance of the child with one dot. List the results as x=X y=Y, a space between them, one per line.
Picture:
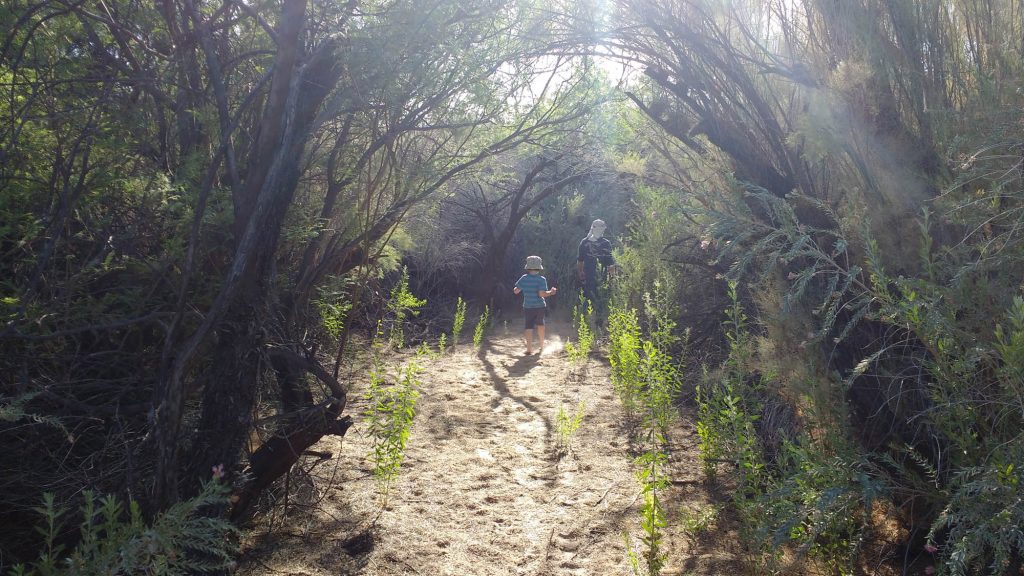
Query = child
x=535 y=289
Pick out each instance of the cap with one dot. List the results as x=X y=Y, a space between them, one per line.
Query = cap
x=533 y=263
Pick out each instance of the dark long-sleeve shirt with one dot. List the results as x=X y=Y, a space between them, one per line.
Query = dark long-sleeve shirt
x=592 y=252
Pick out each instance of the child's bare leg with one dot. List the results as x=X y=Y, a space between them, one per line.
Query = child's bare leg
x=540 y=337
x=528 y=336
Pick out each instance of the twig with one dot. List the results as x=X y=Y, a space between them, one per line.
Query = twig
x=605 y=495
x=410 y=566
x=547 y=549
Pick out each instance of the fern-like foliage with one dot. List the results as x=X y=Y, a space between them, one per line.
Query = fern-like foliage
x=117 y=541
x=16 y=409
x=810 y=257
x=984 y=516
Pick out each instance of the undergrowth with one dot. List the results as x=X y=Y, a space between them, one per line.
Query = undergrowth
x=116 y=540
x=949 y=338
x=481 y=327
x=647 y=380
x=582 y=315
x=567 y=424
x=458 y=320
x=389 y=417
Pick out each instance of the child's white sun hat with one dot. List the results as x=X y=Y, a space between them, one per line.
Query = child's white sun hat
x=533 y=263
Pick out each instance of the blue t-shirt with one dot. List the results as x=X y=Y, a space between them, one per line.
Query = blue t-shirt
x=531 y=284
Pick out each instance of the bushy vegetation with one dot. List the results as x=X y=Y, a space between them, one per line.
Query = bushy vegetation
x=118 y=541
x=201 y=206
x=389 y=419
x=482 y=324
x=649 y=381
x=860 y=205
x=582 y=319
x=567 y=424
x=401 y=306
x=624 y=348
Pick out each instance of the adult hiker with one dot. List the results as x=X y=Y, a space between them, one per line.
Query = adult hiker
x=595 y=250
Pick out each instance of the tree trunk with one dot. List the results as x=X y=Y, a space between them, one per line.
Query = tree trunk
x=229 y=395
x=228 y=400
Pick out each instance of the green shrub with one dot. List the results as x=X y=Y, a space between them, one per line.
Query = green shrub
x=481 y=327
x=821 y=501
x=401 y=305
x=390 y=416
x=624 y=346
x=567 y=425
x=659 y=314
x=457 y=321
x=334 y=304
x=696 y=522
x=726 y=430
x=582 y=313
x=659 y=386
x=181 y=540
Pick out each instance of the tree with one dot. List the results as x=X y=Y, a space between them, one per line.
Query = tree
x=851 y=129
x=497 y=202
x=183 y=178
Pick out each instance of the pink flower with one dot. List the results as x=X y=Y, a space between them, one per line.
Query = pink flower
x=929 y=570
x=218 y=472
x=930 y=548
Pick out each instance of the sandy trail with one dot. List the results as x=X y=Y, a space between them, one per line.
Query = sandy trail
x=484 y=489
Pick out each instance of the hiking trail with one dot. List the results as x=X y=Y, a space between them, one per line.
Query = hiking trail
x=484 y=489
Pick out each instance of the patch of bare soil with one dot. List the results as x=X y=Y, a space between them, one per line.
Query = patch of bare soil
x=485 y=489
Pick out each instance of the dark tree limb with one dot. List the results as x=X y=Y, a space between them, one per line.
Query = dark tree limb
x=281 y=356
x=277 y=456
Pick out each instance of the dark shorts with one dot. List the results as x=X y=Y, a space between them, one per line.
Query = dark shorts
x=533 y=317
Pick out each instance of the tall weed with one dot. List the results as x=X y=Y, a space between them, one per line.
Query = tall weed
x=624 y=345
x=647 y=380
x=401 y=305
x=481 y=327
x=458 y=320
x=582 y=314
x=390 y=416
x=567 y=424
x=652 y=557
x=660 y=385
